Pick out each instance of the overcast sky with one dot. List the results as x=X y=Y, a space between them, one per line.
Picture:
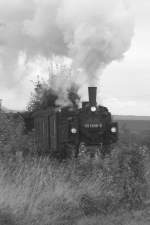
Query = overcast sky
x=124 y=85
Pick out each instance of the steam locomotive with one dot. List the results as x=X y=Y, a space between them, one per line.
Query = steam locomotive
x=69 y=131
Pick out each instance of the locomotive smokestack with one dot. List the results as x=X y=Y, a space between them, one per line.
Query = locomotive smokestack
x=92 y=95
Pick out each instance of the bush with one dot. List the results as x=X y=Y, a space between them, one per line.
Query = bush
x=13 y=140
x=132 y=176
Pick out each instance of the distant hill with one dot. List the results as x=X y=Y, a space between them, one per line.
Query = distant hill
x=128 y=117
x=134 y=123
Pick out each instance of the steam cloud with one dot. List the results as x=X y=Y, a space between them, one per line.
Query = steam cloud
x=92 y=33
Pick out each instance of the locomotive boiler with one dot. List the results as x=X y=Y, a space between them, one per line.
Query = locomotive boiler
x=67 y=131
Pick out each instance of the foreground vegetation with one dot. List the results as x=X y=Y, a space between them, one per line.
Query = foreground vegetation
x=39 y=191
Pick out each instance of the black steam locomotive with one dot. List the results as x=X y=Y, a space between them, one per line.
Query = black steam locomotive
x=70 y=131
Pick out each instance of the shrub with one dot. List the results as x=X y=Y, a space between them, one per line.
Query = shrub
x=12 y=137
x=128 y=168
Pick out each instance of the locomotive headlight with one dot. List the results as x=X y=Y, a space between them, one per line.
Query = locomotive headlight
x=93 y=109
x=73 y=130
x=113 y=129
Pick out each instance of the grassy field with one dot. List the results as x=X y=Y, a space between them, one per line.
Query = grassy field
x=84 y=192
x=135 y=124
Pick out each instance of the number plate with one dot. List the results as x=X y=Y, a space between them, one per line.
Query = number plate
x=91 y=125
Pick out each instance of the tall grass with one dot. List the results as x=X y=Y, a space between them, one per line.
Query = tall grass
x=39 y=191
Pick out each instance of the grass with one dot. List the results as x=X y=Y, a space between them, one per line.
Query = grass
x=43 y=192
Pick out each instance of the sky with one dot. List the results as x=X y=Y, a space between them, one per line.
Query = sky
x=123 y=85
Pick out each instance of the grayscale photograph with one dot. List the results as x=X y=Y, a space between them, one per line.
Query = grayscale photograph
x=74 y=112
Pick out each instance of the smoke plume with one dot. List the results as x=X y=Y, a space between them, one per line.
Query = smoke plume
x=92 y=33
